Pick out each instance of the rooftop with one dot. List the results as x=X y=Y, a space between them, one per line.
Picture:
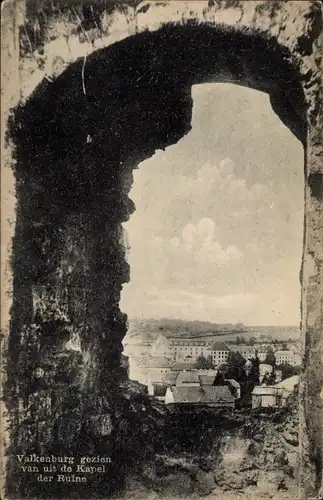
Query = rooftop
x=288 y=383
x=183 y=366
x=244 y=348
x=187 y=377
x=206 y=379
x=220 y=346
x=168 y=378
x=264 y=390
x=202 y=394
x=284 y=353
x=207 y=372
x=188 y=342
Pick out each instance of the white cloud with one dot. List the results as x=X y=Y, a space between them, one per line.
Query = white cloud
x=206 y=229
x=220 y=212
x=197 y=244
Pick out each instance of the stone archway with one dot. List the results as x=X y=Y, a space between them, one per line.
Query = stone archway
x=77 y=140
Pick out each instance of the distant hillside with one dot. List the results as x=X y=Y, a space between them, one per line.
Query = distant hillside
x=145 y=331
x=149 y=329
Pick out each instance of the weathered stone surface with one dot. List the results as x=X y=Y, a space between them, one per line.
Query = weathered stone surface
x=179 y=484
x=206 y=483
x=101 y=425
x=289 y=438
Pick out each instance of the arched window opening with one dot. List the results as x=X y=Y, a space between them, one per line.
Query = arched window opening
x=217 y=234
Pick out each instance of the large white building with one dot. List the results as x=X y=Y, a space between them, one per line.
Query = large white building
x=220 y=353
x=189 y=349
x=288 y=357
x=180 y=349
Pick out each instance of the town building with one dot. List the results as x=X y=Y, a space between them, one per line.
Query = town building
x=207 y=377
x=161 y=347
x=184 y=366
x=156 y=366
x=287 y=357
x=138 y=372
x=180 y=349
x=264 y=397
x=158 y=382
x=220 y=352
x=264 y=369
x=189 y=349
x=207 y=396
x=188 y=379
x=160 y=364
x=274 y=395
x=177 y=354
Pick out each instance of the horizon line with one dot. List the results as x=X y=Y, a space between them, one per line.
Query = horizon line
x=212 y=322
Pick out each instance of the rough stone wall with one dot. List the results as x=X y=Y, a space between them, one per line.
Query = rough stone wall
x=71 y=180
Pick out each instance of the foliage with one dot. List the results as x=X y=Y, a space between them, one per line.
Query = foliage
x=235 y=366
x=288 y=370
x=255 y=371
x=149 y=329
x=242 y=340
x=270 y=357
x=203 y=363
x=270 y=378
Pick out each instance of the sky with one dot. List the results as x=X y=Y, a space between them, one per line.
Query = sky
x=218 y=227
